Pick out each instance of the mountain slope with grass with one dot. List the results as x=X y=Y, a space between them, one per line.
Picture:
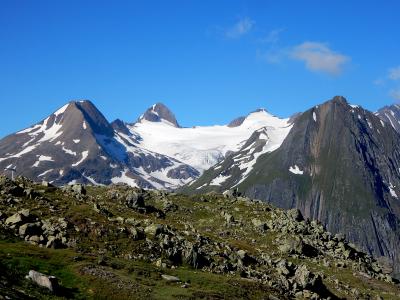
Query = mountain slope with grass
x=120 y=242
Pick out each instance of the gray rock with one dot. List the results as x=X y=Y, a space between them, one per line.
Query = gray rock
x=170 y=278
x=304 y=278
x=18 y=218
x=49 y=282
x=153 y=230
x=78 y=189
x=30 y=229
x=295 y=215
x=136 y=233
x=134 y=200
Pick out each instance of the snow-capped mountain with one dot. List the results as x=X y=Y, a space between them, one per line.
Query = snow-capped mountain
x=202 y=146
x=77 y=144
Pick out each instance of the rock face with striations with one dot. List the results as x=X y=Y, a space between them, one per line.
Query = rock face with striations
x=339 y=164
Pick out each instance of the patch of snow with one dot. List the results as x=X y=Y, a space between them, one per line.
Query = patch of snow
x=24 y=151
x=219 y=180
x=50 y=134
x=61 y=110
x=92 y=181
x=296 y=170
x=61 y=172
x=276 y=136
x=392 y=191
x=103 y=157
x=382 y=123
x=42 y=158
x=76 y=141
x=369 y=124
x=84 y=156
x=84 y=125
x=124 y=178
x=30 y=129
x=354 y=106
x=314 y=115
x=69 y=151
x=200 y=187
x=45 y=172
x=390 y=120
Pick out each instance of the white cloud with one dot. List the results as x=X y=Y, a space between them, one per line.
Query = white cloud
x=394 y=73
x=241 y=28
x=319 y=57
x=395 y=94
x=272 y=36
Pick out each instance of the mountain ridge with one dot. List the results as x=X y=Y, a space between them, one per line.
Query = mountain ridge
x=339 y=163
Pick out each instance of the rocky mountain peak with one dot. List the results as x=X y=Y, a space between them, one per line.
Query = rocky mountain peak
x=391 y=115
x=93 y=117
x=159 y=112
x=339 y=100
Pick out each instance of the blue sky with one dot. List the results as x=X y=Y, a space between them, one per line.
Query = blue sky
x=209 y=61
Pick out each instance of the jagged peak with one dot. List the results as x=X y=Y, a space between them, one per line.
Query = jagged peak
x=159 y=112
x=120 y=126
x=340 y=99
x=80 y=111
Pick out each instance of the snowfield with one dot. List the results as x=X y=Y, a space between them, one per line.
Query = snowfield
x=204 y=146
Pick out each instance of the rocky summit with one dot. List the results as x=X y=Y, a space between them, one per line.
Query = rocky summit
x=119 y=242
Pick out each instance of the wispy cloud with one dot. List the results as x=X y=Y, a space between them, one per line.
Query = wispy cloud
x=395 y=94
x=394 y=73
x=273 y=36
x=318 y=57
x=390 y=82
x=379 y=82
x=241 y=28
x=273 y=55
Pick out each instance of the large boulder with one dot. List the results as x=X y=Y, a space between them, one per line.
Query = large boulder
x=134 y=200
x=30 y=229
x=305 y=279
x=49 y=282
x=19 y=218
x=78 y=189
x=295 y=215
x=153 y=230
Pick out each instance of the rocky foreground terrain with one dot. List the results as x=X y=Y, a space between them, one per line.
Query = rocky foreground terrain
x=119 y=242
